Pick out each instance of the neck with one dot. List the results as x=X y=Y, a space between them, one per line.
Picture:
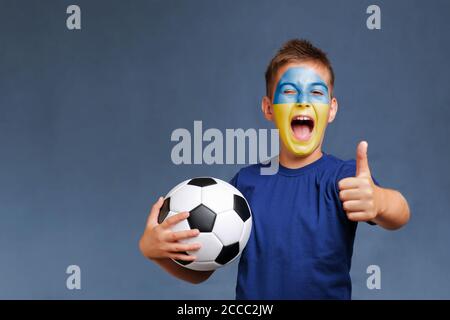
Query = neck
x=291 y=161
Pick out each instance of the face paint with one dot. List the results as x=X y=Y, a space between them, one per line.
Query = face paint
x=301 y=104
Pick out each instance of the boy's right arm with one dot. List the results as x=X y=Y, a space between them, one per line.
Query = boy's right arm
x=160 y=244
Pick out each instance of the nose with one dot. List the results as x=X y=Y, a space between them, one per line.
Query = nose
x=303 y=100
x=304 y=104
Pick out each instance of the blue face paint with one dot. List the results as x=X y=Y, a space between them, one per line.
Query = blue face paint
x=301 y=85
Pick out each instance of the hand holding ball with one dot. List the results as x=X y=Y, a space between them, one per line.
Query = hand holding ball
x=221 y=214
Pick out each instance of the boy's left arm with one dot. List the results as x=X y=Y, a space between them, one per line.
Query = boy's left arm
x=362 y=200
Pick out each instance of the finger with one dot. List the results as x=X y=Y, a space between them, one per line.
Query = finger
x=354 y=205
x=182 y=247
x=349 y=183
x=154 y=212
x=358 y=216
x=362 y=163
x=180 y=235
x=173 y=220
x=182 y=256
x=352 y=194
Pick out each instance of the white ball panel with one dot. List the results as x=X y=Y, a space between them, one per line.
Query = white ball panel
x=217 y=197
x=228 y=227
x=185 y=198
x=229 y=187
x=203 y=266
x=245 y=234
x=180 y=226
x=210 y=246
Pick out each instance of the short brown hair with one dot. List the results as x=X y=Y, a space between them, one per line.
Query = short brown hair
x=296 y=50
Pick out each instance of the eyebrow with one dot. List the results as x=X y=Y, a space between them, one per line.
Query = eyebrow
x=319 y=84
x=286 y=83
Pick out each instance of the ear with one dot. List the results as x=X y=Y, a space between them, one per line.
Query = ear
x=333 y=110
x=266 y=108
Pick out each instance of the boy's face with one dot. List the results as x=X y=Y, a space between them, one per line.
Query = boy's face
x=301 y=106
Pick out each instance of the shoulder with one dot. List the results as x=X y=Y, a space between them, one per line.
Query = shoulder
x=247 y=174
x=331 y=168
x=247 y=178
x=336 y=169
x=343 y=168
x=347 y=168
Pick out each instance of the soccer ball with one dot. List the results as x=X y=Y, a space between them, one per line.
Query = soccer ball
x=221 y=214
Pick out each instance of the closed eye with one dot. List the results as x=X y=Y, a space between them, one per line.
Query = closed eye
x=289 y=91
x=317 y=93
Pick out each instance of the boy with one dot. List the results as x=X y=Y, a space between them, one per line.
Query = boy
x=304 y=216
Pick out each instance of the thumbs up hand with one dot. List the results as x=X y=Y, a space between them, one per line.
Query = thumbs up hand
x=359 y=195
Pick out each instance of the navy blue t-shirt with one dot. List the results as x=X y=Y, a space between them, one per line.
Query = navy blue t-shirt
x=301 y=242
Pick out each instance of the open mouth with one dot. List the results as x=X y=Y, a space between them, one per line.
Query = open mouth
x=302 y=127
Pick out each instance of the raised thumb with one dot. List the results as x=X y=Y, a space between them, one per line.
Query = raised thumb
x=362 y=163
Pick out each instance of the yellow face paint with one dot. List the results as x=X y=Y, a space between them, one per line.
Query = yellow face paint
x=285 y=112
x=301 y=107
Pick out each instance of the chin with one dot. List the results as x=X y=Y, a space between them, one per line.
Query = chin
x=300 y=152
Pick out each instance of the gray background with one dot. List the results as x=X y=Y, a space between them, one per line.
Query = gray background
x=86 y=118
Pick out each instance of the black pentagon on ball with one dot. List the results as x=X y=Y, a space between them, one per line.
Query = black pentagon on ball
x=202 y=218
x=228 y=253
x=202 y=182
x=164 y=211
x=241 y=207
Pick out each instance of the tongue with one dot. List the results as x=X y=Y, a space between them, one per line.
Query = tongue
x=301 y=132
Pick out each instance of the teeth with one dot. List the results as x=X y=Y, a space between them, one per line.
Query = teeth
x=302 y=118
